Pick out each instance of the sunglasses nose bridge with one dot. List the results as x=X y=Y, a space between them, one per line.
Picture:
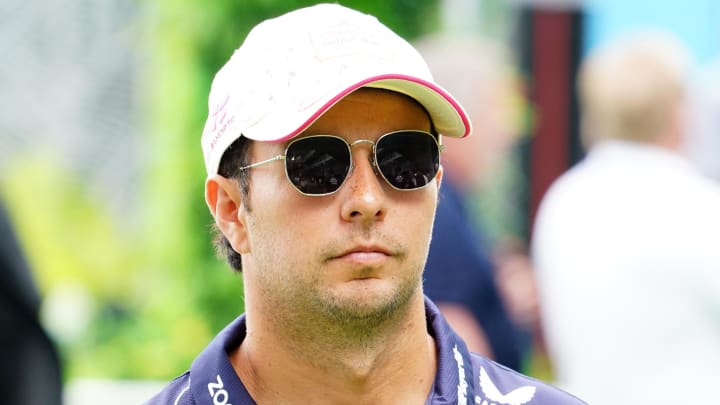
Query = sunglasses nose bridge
x=372 y=153
x=359 y=141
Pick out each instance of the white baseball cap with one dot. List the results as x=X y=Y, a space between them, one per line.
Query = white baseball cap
x=293 y=68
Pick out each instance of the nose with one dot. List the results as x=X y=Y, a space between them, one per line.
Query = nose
x=364 y=198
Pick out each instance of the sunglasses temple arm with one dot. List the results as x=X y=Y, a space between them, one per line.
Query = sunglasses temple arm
x=272 y=159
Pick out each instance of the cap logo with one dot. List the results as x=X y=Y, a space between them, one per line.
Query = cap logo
x=220 y=120
x=346 y=39
x=220 y=113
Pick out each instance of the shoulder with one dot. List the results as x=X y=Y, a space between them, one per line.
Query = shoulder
x=177 y=392
x=496 y=384
x=573 y=183
x=211 y=378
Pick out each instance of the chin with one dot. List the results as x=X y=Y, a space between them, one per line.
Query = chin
x=368 y=299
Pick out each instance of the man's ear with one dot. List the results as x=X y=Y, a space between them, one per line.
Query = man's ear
x=224 y=200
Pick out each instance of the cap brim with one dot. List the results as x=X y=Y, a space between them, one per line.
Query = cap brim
x=448 y=117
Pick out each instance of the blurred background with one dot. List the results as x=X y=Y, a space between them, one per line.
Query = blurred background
x=101 y=109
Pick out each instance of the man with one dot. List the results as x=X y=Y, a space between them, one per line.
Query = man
x=323 y=171
x=626 y=243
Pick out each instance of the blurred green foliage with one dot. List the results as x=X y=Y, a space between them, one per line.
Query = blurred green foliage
x=156 y=292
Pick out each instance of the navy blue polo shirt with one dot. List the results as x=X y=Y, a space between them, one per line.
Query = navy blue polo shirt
x=462 y=377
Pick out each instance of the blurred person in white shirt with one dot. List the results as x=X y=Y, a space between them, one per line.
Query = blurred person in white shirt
x=627 y=243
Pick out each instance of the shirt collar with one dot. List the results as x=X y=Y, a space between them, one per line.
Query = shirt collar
x=636 y=153
x=213 y=379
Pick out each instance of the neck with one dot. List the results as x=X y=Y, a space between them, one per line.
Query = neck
x=672 y=142
x=392 y=361
x=672 y=137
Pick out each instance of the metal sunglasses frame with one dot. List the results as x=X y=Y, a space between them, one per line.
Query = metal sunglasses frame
x=377 y=170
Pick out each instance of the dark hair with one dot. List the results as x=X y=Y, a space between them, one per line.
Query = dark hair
x=235 y=157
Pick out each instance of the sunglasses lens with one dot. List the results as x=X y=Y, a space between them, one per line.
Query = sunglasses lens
x=408 y=159
x=317 y=165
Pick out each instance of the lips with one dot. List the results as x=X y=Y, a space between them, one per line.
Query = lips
x=365 y=255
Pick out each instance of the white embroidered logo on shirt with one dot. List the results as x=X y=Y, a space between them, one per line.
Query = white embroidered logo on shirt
x=493 y=396
x=462 y=384
x=218 y=393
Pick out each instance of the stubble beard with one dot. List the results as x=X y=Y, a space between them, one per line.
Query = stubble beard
x=359 y=317
x=309 y=314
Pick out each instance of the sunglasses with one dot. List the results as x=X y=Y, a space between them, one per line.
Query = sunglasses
x=319 y=164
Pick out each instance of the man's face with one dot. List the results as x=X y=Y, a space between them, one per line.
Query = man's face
x=358 y=253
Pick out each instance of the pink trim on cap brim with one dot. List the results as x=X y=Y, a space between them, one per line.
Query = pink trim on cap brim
x=342 y=94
